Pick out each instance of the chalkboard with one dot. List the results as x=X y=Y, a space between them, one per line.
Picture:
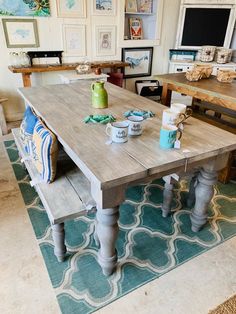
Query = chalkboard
x=205 y=26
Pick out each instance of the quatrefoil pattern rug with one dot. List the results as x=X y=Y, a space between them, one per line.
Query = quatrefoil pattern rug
x=148 y=245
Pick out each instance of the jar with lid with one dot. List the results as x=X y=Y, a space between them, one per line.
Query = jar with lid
x=23 y=59
x=14 y=59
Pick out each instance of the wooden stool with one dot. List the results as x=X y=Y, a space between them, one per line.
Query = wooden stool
x=3 y=125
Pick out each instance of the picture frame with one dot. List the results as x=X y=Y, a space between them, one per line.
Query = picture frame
x=145 y=6
x=74 y=39
x=140 y=60
x=105 y=37
x=71 y=9
x=131 y=6
x=21 y=33
x=103 y=7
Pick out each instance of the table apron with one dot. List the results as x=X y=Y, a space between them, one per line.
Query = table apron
x=218 y=100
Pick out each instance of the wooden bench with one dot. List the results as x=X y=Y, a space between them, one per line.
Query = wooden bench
x=66 y=198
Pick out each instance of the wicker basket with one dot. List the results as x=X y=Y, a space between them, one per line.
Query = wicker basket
x=199 y=71
x=223 y=55
x=225 y=76
x=207 y=53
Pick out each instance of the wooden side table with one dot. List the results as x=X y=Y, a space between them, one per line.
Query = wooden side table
x=39 y=68
x=3 y=125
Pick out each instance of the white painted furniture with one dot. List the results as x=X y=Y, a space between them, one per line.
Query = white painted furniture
x=190 y=28
x=66 y=198
x=3 y=125
x=112 y=168
x=73 y=77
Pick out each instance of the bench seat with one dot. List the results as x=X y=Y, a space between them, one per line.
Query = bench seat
x=66 y=198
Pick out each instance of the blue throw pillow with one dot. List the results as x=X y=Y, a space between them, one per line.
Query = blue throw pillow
x=27 y=129
x=45 y=151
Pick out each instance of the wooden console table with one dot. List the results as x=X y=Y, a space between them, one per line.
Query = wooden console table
x=39 y=68
x=220 y=96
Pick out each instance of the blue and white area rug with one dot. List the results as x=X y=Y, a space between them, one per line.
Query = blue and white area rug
x=148 y=245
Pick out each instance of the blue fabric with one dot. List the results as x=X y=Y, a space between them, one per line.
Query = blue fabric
x=30 y=121
x=27 y=129
x=45 y=151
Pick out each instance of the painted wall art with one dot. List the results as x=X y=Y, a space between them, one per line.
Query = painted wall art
x=140 y=60
x=71 y=8
x=104 y=7
x=105 y=37
x=74 y=40
x=25 y=7
x=21 y=33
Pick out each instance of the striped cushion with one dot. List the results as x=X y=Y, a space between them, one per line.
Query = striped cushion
x=27 y=129
x=45 y=151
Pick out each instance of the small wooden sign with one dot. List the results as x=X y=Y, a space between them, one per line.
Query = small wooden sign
x=136 y=29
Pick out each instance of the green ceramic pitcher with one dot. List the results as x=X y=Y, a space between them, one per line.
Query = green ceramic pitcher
x=99 y=95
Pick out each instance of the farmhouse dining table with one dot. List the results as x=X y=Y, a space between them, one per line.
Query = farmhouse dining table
x=112 y=167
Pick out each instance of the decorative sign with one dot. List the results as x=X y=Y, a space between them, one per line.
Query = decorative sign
x=136 y=31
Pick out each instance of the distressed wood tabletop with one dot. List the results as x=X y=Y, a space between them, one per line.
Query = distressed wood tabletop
x=63 y=108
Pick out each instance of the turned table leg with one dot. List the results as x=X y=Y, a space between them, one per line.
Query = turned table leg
x=107 y=232
x=95 y=235
x=203 y=192
x=191 y=194
x=58 y=234
x=167 y=196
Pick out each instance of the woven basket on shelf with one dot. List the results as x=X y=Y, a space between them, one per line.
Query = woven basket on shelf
x=207 y=53
x=223 y=55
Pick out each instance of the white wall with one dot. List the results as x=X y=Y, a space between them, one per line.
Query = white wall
x=233 y=44
x=50 y=37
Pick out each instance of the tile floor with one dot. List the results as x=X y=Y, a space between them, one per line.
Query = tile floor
x=193 y=288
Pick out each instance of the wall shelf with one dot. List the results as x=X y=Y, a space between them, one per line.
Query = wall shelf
x=151 y=25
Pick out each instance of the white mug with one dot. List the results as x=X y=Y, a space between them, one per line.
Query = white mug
x=135 y=125
x=118 y=131
x=170 y=117
x=180 y=108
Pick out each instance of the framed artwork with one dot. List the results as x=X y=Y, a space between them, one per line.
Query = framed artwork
x=21 y=33
x=71 y=8
x=131 y=6
x=135 y=28
x=24 y=8
x=105 y=37
x=144 y=6
x=74 y=40
x=104 y=7
x=140 y=60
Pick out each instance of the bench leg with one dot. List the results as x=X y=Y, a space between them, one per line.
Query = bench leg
x=107 y=231
x=58 y=234
x=167 y=196
x=203 y=192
